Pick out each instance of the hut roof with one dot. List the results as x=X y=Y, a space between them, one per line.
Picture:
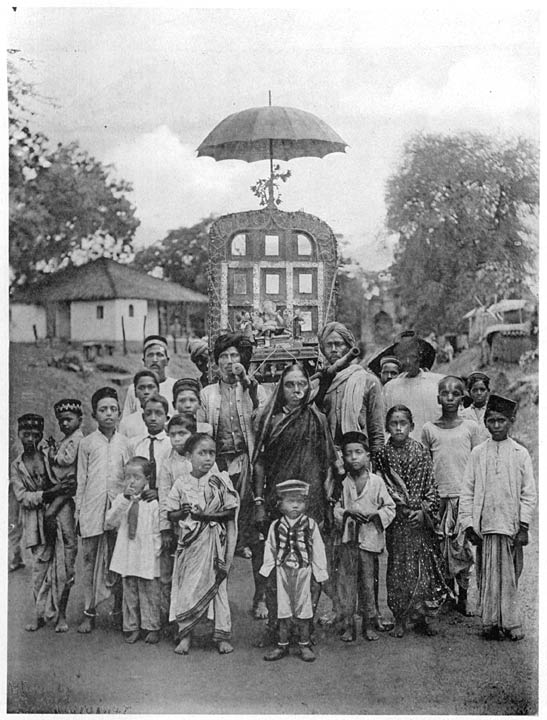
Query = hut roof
x=104 y=279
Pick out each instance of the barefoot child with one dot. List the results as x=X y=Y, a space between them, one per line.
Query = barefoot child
x=497 y=501
x=363 y=512
x=295 y=549
x=102 y=456
x=416 y=587
x=478 y=387
x=186 y=399
x=136 y=555
x=204 y=504
x=145 y=383
x=32 y=484
x=450 y=440
x=179 y=428
x=63 y=461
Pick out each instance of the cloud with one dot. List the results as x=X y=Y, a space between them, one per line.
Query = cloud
x=484 y=84
x=172 y=186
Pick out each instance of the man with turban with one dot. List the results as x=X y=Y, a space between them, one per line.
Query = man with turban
x=353 y=403
x=230 y=406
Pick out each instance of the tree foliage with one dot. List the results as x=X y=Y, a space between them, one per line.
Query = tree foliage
x=461 y=206
x=64 y=205
x=181 y=257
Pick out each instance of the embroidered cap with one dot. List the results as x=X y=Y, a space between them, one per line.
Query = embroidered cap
x=292 y=486
x=67 y=405
x=497 y=403
x=30 y=421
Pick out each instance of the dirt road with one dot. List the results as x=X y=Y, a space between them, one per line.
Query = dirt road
x=455 y=673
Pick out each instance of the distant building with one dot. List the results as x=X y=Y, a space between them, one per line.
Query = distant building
x=102 y=300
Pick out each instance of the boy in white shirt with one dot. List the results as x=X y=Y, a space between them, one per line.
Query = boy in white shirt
x=102 y=456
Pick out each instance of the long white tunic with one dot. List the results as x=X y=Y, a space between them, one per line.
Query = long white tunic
x=100 y=477
x=498 y=490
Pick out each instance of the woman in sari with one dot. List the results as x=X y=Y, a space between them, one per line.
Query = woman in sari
x=204 y=504
x=293 y=442
x=416 y=587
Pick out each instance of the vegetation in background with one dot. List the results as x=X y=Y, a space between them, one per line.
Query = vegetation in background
x=64 y=205
x=462 y=207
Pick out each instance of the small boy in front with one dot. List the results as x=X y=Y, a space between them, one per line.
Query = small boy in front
x=497 y=502
x=154 y=442
x=145 y=383
x=102 y=456
x=136 y=556
x=362 y=513
x=295 y=549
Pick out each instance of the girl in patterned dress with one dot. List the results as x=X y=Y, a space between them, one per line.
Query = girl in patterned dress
x=416 y=588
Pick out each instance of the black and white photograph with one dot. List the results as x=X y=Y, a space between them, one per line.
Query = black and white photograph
x=273 y=281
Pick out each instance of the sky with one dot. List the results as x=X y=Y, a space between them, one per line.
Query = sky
x=141 y=87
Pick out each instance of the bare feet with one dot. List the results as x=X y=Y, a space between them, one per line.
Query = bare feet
x=383 y=625
x=398 y=631
x=184 y=645
x=152 y=637
x=260 y=611
x=348 y=635
x=370 y=634
x=515 y=635
x=36 y=624
x=328 y=618
x=224 y=647
x=87 y=625
x=61 y=626
x=133 y=637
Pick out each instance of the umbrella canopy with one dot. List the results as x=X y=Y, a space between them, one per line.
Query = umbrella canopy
x=271 y=132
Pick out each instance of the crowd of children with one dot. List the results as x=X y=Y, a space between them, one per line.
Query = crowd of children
x=157 y=520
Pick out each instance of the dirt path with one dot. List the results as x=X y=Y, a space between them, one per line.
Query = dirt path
x=455 y=673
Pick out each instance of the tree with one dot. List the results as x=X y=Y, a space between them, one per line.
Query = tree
x=461 y=206
x=349 y=294
x=181 y=257
x=64 y=205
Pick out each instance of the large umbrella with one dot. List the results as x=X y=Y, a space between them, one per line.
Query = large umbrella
x=271 y=132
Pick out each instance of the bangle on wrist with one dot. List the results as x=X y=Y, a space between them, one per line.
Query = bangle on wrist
x=258 y=501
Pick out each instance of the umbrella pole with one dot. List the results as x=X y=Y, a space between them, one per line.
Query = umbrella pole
x=271 y=202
